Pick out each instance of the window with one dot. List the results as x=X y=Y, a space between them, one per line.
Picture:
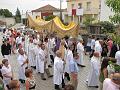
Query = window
x=72 y=6
x=79 y=5
x=88 y=5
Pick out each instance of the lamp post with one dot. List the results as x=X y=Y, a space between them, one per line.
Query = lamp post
x=60 y=9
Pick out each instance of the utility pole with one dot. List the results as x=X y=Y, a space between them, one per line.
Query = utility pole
x=60 y=9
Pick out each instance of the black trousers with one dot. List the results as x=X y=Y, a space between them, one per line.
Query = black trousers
x=52 y=58
x=92 y=52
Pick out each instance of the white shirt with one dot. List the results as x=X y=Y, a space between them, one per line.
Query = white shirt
x=21 y=59
x=92 y=43
x=80 y=47
x=58 y=70
x=7 y=71
x=19 y=40
x=98 y=47
x=117 y=56
x=52 y=42
x=89 y=42
x=42 y=54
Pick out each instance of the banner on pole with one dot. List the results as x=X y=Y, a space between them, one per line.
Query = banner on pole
x=79 y=12
x=73 y=12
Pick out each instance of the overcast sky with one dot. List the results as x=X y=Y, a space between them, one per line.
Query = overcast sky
x=29 y=5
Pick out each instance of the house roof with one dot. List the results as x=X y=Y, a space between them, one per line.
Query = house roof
x=47 y=8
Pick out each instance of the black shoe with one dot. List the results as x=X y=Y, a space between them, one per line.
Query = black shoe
x=34 y=67
x=43 y=78
x=58 y=89
x=63 y=85
x=81 y=65
x=22 y=81
x=50 y=76
x=96 y=86
x=50 y=66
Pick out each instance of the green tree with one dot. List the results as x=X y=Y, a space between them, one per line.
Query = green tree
x=88 y=20
x=18 y=16
x=48 y=18
x=107 y=27
x=5 y=13
x=115 y=7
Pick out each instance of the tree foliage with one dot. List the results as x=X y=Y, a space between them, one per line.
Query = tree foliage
x=5 y=13
x=88 y=21
x=48 y=18
x=115 y=7
x=18 y=16
x=107 y=27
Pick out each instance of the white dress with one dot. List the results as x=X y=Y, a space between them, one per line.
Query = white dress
x=47 y=53
x=21 y=72
x=80 y=51
x=93 y=78
x=26 y=44
x=41 y=61
x=37 y=49
x=31 y=54
x=69 y=57
x=58 y=71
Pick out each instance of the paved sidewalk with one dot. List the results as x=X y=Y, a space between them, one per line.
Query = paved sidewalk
x=48 y=84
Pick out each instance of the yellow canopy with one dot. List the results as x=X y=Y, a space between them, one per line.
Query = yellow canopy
x=58 y=22
x=63 y=30
x=39 y=24
x=54 y=25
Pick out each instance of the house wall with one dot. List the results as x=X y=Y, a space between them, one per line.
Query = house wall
x=9 y=21
x=91 y=9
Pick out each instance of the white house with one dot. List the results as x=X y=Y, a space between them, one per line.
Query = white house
x=43 y=12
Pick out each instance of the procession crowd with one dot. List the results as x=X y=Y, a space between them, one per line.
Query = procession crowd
x=40 y=52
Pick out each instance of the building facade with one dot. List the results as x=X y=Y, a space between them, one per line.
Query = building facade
x=9 y=21
x=87 y=8
x=43 y=12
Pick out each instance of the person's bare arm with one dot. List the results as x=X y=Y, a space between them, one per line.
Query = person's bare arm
x=105 y=73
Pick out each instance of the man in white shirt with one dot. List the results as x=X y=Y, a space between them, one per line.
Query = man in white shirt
x=31 y=53
x=58 y=70
x=98 y=46
x=19 y=40
x=93 y=78
x=51 y=46
x=42 y=61
x=92 y=45
x=23 y=64
x=80 y=51
x=69 y=57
